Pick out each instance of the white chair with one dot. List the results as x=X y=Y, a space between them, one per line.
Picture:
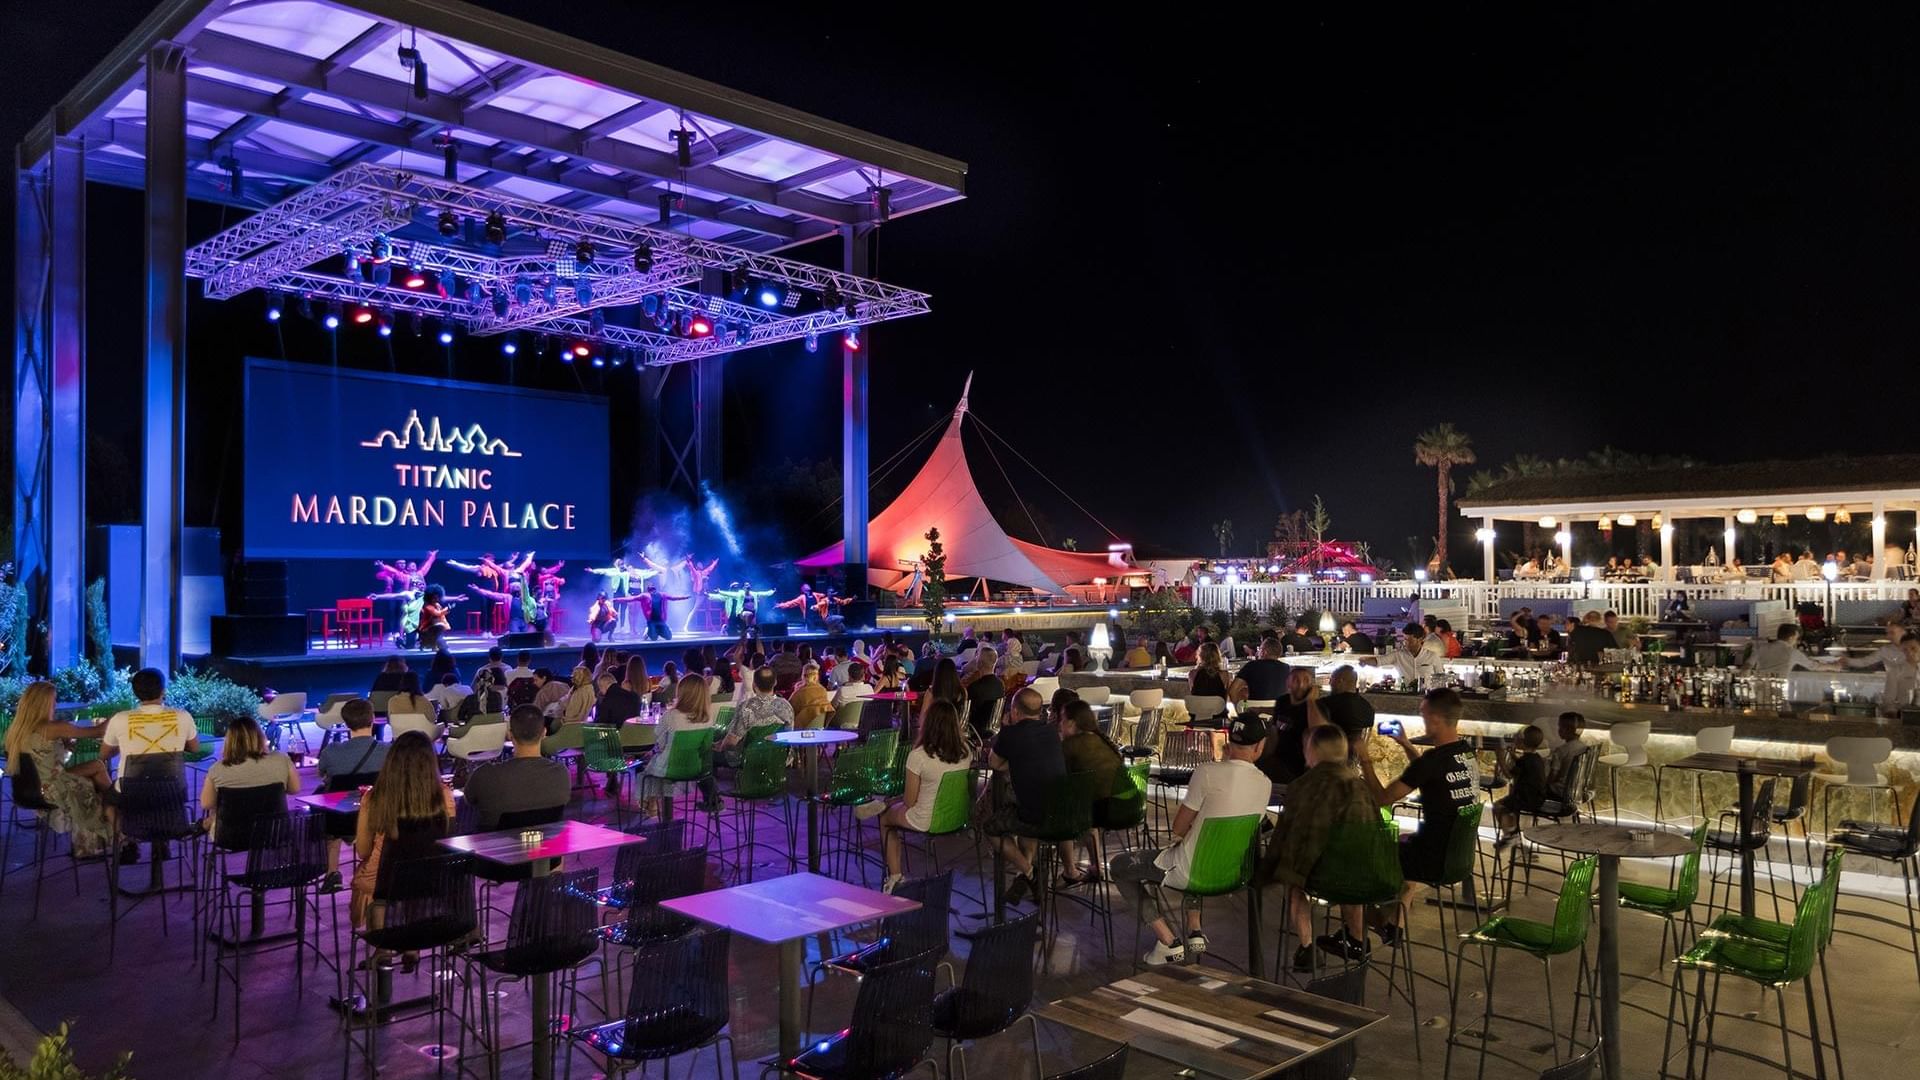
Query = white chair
x=1095 y=695
x=1146 y=727
x=1030 y=668
x=1203 y=707
x=285 y=709
x=1708 y=740
x=400 y=723
x=1631 y=737
x=485 y=738
x=846 y=716
x=1861 y=757
x=1045 y=686
x=328 y=719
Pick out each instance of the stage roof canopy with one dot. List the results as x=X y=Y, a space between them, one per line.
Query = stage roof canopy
x=285 y=93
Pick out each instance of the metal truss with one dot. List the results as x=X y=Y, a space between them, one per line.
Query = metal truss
x=282 y=246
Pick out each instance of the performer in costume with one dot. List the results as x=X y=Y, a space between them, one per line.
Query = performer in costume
x=654 y=603
x=414 y=619
x=914 y=582
x=408 y=575
x=524 y=610
x=808 y=605
x=548 y=581
x=434 y=611
x=697 y=578
x=738 y=602
x=624 y=582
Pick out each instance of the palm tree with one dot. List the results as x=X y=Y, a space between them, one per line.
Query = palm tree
x=1441 y=448
x=1223 y=532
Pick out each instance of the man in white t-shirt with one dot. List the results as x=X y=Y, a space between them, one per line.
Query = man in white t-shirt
x=522 y=668
x=150 y=727
x=1232 y=788
x=449 y=694
x=856 y=687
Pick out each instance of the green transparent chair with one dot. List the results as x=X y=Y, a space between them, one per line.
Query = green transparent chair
x=856 y=770
x=1123 y=811
x=1067 y=815
x=891 y=781
x=1673 y=903
x=602 y=753
x=1463 y=855
x=1361 y=865
x=760 y=788
x=952 y=814
x=689 y=762
x=1771 y=955
x=1542 y=941
x=1223 y=859
x=760 y=734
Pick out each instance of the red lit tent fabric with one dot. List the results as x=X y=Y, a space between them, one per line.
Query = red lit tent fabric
x=943 y=494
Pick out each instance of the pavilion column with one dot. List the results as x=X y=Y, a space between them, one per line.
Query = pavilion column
x=50 y=399
x=1879 y=542
x=856 y=257
x=1666 y=545
x=1726 y=557
x=1566 y=544
x=1486 y=550
x=165 y=369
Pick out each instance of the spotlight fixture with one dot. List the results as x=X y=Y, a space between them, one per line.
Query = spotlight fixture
x=600 y=361
x=813 y=343
x=353 y=268
x=381 y=249
x=415 y=279
x=332 y=321
x=382 y=274
x=448 y=223
x=362 y=315
x=411 y=60
x=502 y=303
x=446 y=335
x=598 y=322
x=550 y=294
x=236 y=177
x=770 y=296
x=522 y=292
x=496 y=229
x=583 y=252
x=642 y=258
x=882 y=203
x=582 y=292
x=830 y=297
x=273 y=307
x=508 y=347
x=581 y=348
x=683 y=146
x=698 y=326
x=665 y=202
x=650 y=305
x=383 y=325
x=851 y=339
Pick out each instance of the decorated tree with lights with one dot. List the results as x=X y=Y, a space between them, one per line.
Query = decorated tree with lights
x=933 y=588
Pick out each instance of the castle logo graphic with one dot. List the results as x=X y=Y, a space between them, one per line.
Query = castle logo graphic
x=416 y=436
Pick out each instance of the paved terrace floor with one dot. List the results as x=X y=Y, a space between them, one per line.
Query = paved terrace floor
x=153 y=1002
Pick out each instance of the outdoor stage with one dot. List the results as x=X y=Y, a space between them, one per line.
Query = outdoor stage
x=344 y=669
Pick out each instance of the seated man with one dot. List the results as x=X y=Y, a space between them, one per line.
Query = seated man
x=855 y=687
x=1528 y=770
x=762 y=708
x=354 y=760
x=1443 y=775
x=1234 y=787
x=1561 y=760
x=526 y=781
x=1027 y=752
x=1330 y=793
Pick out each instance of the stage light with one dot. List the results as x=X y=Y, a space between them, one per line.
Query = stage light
x=415 y=279
x=502 y=303
x=332 y=321
x=583 y=292
x=475 y=292
x=381 y=249
x=699 y=326
x=851 y=339
x=813 y=342
x=1746 y=517
x=769 y=296
x=550 y=293
x=522 y=292
x=383 y=325
x=449 y=224
x=273 y=307
x=508 y=347
x=362 y=315
x=446 y=335
x=583 y=252
x=382 y=274
x=830 y=296
x=643 y=258
x=353 y=268
x=600 y=361
x=683 y=147
x=411 y=59
x=581 y=349
x=597 y=322
x=496 y=230
x=650 y=305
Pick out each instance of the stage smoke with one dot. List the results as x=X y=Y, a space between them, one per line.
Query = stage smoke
x=722 y=519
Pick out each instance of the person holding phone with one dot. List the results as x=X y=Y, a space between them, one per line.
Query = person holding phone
x=1443 y=775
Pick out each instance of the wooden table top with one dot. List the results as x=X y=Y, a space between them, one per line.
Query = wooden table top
x=785 y=908
x=1215 y=1022
x=1596 y=839
x=813 y=737
x=1734 y=763
x=506 y=847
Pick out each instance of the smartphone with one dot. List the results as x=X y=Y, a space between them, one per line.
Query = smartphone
x=1388 y=728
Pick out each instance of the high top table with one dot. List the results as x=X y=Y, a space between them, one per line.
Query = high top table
x=811 y=740
x=1745 y=768
x=507 y=847
x=786 y=911
x=1611 y=843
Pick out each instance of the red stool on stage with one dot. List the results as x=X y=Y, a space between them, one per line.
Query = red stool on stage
x=476 y=622
x=555 y=619
x=499 y=618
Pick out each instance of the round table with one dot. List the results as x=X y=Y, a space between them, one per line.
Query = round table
x=1611 y=843
x=811 y=740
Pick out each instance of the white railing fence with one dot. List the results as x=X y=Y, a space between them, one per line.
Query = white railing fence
x=1631 y=600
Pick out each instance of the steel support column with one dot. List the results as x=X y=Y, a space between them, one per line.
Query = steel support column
x=856 y=257
x=50 y=401
x=165 y=372
x=709 y=386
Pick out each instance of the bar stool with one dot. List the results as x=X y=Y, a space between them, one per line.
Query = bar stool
x=549 y=933
x=1888 y=844
x=1730 y=842
x=1095 y=695
x=1146 y=728
x=1631 y=738
x=1861 y=757
x=1709 y=740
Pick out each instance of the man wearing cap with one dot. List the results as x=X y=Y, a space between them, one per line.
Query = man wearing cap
x=1231 y=788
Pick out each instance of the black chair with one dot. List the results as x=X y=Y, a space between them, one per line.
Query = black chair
x=1584 y=1067
x=995 y=992
x=493 y=875
x=28 y=796
x=286 y=852
x=664 y=877
x=234 y=812
x=907 y=934
x=1798 y=797
x=424 y=903
x=1111 y=1067
x=151 y=810
x=1350 y=986
x=549 y=933
x=678 y=1003
x=891 y=1029
x=1728 y=841
x=1888 y=844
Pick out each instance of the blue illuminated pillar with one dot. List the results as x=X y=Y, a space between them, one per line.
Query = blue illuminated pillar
x=166 y=356
x=50 y=397
x=856 y=258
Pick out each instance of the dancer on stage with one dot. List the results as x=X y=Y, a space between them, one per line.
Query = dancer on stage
x=407 y=575
x=914 y=582
x=524 y=610
x=420 y=626
x=547 y=582
x=653 y=603
x=740 y=603
x=434 y=611
x=497 y=574
x=812 y=607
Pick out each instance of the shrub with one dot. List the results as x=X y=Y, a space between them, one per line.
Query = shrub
x=13 y=629
x=116 y=692
x=77 y=682
x=212 y=696
x=99 y=638
x=10 y=688
x=53 y=1060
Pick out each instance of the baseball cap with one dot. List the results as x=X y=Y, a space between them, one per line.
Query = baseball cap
x=1246 y=730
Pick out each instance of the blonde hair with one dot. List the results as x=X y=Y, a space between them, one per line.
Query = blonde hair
x=984 y=658
x=810 y=672
x=691 y=698
x=244 y=742
x=581 y=676
x=1210 y=656
x=34 y=709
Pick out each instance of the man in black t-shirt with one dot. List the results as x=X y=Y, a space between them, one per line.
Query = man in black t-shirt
x=1284 y=758
x=1344 y=708
x=1443 y=775
x=1027 y=750
x=1589 y=640
x=1354 y=641
x=1264 y=679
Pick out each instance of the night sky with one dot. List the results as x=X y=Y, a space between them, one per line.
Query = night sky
x=1210 y=268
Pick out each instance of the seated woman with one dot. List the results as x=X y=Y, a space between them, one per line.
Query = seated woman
x=692 y=711
x=579 y=701
x=486 y=699
x=74 y=792
x=1330 y=793
x=408 y=701
x=246 y=761
x=1086 y=749
x=406 y=811
x=1209 y=678
x=941 y=749
x=811 y=702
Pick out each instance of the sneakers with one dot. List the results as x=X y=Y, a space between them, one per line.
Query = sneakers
x=1163 y=954
x=331 y=883
x=1344 y=946
x=1303 y=960
x=1196 y=945
x=870 y=809
x=893 y=880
